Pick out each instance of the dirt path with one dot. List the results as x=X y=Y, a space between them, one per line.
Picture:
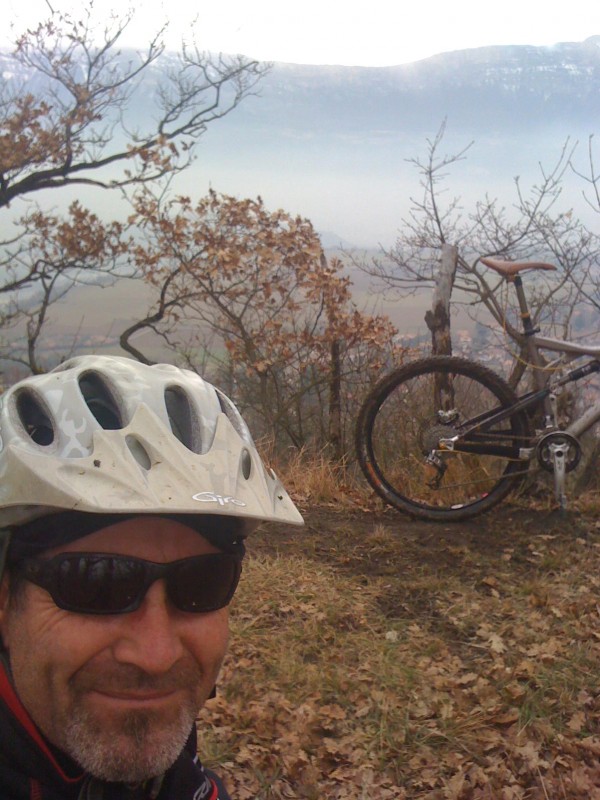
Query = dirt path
x=386 y=543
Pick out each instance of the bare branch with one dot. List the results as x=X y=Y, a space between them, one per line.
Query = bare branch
x=70 y=122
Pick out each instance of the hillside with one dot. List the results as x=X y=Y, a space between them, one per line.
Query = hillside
x=332 y=143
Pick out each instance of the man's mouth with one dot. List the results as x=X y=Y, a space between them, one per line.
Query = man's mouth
x=135 y=697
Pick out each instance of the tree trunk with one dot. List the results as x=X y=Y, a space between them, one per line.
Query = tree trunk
x=438 y=318
x=335 y=402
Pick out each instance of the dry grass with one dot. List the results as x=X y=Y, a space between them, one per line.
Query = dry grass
x=308 y=678
x=313 y=477
x=476 y=687
x=588 y=502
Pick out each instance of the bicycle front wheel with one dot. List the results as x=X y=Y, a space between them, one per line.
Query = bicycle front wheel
x=436 y=439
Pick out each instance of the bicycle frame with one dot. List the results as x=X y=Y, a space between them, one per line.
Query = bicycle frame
x=446 y=438
x=542 y=375
x=557 y=449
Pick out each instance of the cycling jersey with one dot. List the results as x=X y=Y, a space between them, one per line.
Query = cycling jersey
x=32 y=769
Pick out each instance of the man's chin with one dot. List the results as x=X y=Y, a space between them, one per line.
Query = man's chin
x=128 y=747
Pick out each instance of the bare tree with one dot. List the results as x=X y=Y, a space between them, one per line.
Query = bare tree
x=534 y=226
x=51 y=255
x=70 y=120
x=78 y=110
x=286 y=333
x=591 y=195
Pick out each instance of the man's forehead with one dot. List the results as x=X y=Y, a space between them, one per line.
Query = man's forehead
x=57 y=531
x=151 y=538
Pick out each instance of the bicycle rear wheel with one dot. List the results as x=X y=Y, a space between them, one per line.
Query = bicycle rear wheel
x=401 y=430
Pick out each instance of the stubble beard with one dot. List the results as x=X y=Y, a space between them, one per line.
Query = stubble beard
x=143 y=747
x=130 y=746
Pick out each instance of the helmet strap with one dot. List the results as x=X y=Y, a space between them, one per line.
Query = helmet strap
x=5 y=536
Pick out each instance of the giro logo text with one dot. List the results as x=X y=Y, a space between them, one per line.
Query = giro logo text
x=211 y=497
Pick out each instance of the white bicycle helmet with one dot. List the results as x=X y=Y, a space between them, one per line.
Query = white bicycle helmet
x=108 y=435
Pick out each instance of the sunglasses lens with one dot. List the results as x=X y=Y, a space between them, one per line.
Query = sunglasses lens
x=94 y=583
x=204 y=584
x=99 y=584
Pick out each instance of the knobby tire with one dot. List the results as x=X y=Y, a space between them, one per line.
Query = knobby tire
x=402 y=420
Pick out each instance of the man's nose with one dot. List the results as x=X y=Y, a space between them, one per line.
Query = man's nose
x=149 y=636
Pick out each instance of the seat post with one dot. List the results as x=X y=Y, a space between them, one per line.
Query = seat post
x=535 y=357
x=528 y=328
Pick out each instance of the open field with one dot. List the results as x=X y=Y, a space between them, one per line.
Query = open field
x=90 y=318
x=377 y=657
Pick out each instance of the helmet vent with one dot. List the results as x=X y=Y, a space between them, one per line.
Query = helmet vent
x=233 y=415
x=246 y=464
x=179 y=412
x=100 y=401
x=139 y=452
x=34 y=418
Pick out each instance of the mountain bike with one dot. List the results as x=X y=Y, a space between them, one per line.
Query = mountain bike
x=446 y=438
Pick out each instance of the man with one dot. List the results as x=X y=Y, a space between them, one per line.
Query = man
x=126 y=493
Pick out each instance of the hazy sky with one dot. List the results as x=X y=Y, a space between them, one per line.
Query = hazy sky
x=370 y=33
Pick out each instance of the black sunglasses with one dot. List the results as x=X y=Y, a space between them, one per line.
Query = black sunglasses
x=103 y=583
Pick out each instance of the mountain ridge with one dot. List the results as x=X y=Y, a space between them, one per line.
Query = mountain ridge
x=334 y=143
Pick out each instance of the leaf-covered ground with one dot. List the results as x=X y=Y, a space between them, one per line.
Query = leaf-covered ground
x=373 y=656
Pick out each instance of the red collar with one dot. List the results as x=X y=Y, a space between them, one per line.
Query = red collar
x=9 y=696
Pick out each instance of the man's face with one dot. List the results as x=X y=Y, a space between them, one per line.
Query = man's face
x=117 y=693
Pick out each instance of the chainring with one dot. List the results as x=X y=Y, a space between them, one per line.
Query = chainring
x=559 y=439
